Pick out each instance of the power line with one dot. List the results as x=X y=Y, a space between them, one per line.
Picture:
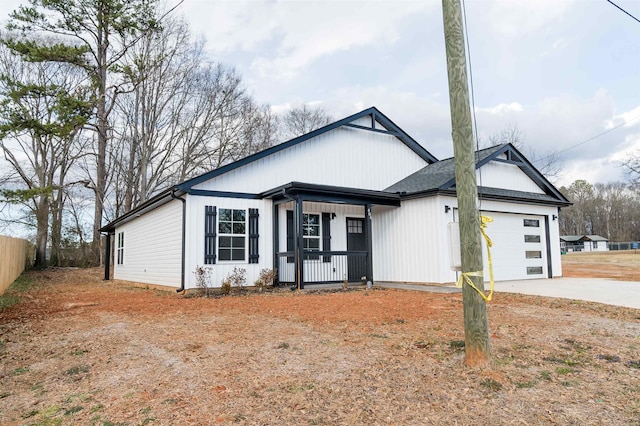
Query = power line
x=591 y=138
x=473 y=102
x=624 y=11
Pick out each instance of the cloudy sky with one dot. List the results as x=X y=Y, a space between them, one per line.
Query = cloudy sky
x=561 y=71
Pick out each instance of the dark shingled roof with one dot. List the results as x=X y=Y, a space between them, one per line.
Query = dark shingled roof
x=439 y=178
x=437 y=175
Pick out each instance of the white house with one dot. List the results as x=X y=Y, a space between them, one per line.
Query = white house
x=571 y=243
x=356 y=198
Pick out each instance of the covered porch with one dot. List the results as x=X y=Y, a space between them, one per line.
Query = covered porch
x=322 y=234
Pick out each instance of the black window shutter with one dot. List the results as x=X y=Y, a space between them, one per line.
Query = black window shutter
x=326 y=235
x=290 y=234
x=253 y=236
x=210 y=214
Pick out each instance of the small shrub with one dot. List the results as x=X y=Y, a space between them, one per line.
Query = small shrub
x=203 y=279
x=237 y=277
x=266 y=278
x=225 y=286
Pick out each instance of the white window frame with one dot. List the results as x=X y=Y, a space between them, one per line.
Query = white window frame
x=232 y=235
x=306 y=237
x=120 y=248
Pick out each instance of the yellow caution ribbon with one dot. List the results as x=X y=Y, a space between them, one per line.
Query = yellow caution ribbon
x=464 y=277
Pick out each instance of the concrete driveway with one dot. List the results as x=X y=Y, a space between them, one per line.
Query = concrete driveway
x=601 y=290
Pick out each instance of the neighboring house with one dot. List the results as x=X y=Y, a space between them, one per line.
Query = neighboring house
x=573 y=243
x=356 y=199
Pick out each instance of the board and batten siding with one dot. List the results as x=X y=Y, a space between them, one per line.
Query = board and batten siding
x=221 y=269
x=345 y=156
x=152 y=247
x=411 y=243
x=408 y=242
x=505 y=176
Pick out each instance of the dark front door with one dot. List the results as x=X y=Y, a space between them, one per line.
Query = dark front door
x=357 y=243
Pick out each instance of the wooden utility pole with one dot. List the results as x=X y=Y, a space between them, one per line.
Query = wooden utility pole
x=476 y=325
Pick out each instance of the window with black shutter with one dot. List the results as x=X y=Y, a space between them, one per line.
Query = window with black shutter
x=232 y=235
x=253 y=236
x=210 y=214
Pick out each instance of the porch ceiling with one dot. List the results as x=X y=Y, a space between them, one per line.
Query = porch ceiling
x=330 y=194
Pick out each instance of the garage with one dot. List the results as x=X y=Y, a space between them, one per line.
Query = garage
x=520 y=246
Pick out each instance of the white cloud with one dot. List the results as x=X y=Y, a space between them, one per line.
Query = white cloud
x=566 y=123
x=298 y=33
x=502 y=108
x=509 y=19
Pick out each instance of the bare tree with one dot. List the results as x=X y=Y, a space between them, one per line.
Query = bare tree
x=549 y=163
x=304 y=119
x=608 y=209
x=184 y=116
x=631 y=167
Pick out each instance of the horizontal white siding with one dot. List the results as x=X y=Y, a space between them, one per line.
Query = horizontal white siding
x=152 y=247
x=495 y=174
x=195 y=239
x=345 y=156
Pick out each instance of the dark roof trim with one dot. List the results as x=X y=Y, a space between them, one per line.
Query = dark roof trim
x=373 y=112
x=224 y=194
x=522 y=198
x=529 y=169
x=158 y=200
x=332 y=194
x=516 y=158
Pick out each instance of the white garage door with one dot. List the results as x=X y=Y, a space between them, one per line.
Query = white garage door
x=519 y=247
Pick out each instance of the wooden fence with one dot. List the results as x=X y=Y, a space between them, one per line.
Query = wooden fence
x=13 y=259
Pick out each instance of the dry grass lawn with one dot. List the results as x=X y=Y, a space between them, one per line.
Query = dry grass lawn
x=619 y=265
x=76 y=350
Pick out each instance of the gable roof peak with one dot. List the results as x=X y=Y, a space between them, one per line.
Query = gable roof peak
x=376 y=116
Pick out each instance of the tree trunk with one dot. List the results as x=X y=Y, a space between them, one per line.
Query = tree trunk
x=56 y=230
x=42 y=234
x=101 y=173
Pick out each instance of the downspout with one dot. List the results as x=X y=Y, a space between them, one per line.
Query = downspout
x=184 y=231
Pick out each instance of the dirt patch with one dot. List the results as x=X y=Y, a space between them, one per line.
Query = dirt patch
x=618 y=265
x=76 y=350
